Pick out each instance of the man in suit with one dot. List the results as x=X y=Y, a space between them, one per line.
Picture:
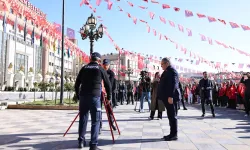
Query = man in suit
x=206 y=85
x=169 y=92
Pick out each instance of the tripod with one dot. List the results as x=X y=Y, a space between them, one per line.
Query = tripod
x=107 y=106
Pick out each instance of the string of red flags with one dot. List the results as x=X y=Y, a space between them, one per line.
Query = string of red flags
x=189 y=13
x=190 y=33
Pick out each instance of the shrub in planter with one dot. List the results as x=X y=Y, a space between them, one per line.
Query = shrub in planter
x=20 y=89
x=25 y=89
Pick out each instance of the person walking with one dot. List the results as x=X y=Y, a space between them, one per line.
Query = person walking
x=206 y=86
x=155 y=103
x=90 y=80
x=168 y=92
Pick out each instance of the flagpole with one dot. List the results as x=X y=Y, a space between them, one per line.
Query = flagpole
x=62 y=55
x=25 y=47
x=15 y=45
x=2 y=53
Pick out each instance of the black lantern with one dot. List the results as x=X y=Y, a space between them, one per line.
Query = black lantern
x=88 y=31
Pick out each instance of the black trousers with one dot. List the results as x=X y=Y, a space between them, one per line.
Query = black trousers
x=203 y=101
x=232 y=103
x=114 y=100
x=247 y=103
x=215 y=99
x=121 y=96
x=130 y=98
x=171 y=112
x=152 y=113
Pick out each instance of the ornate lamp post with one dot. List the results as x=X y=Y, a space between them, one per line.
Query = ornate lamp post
x=129 y=72
x=88 y=31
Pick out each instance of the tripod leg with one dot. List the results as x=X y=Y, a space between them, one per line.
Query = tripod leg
x=115 y=121
x=71 y=124
x=111 y=130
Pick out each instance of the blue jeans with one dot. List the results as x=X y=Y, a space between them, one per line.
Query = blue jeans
x=148 y=97
x=93 y=104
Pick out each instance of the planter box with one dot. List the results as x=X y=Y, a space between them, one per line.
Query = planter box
x=35 y=107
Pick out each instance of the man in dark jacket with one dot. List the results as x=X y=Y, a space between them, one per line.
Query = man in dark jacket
x=247 y=92
x=168 y=92
x=130 y=97
x=111 y=74
x=206 y=86
x=90 y=80
x=181 y=96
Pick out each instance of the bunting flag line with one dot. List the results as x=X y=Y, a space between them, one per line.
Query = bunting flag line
x=184 y=50
x=189 y=31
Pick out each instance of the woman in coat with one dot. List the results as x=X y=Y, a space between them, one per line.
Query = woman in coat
x=155 y=103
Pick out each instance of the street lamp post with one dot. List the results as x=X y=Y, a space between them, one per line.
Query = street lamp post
x=129 y=72
x=88 y=31
x=62 y=55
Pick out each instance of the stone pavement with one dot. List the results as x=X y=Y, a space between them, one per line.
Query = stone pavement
x=39 y=129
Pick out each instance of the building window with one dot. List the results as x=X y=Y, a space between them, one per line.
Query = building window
x=21 y=60
x=38 y=60
x=158 y=67
x=154 y=67
x=32 y=22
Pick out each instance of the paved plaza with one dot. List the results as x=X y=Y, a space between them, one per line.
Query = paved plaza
x=39 y=129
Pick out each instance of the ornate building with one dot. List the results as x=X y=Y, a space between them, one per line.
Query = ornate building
x=28 y=40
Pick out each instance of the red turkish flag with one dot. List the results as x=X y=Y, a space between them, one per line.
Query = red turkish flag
x=145 y=0
x=154 y=32
x=222 y=21
x=120 y=8
x=180 y=28
x=143 y=21
x=142 y=7
x=134 y=20
x=165 y=6
x=171 y=23
x=163 y=19
x=211 y=19
x=201 y=15
x=129 y=15
x=98 y=2
x=234 y=25
x=148 y=27
x=176 y=9
x=151 y=14
x=189 y=32
x=153 y=1
x=110 y=5
x=130 y=4
x=86 y=2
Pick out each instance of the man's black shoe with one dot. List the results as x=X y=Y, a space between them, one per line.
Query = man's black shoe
x=94 y=147
x=164 y=137
x=203 y=115
x=185 y=108
x=213 y=115
x=171 y=138
x=82 y=144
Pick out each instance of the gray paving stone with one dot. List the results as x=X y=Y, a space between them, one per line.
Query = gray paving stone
x=24 y=129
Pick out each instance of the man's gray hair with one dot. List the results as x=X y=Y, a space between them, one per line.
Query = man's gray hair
x=166 y=60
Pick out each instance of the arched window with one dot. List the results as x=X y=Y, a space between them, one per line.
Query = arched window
x=158 y=67
x=154 y=66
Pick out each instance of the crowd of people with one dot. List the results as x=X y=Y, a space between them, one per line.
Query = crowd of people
x=165 y=92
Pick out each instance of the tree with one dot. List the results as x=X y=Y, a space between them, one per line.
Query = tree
x=43 y=86
x=35 y=88
x=69 y=87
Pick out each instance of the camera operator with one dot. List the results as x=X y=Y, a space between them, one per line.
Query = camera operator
x=246 y=80
x=206 y=85
x=90 y=80
x=145 y=85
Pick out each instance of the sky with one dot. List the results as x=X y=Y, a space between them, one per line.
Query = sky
x=135 y=38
